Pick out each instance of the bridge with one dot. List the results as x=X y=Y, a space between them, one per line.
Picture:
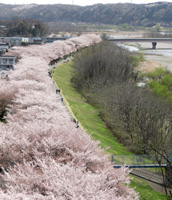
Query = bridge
x=154 y=41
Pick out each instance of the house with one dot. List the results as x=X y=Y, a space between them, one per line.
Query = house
x=35 y=41
x=7 y=62
x=15 y=41
x=5 y=40
x=4 y=47
x=52 y=39
x=2 y=27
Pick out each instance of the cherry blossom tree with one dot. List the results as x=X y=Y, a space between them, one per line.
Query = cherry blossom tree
x=43 y=155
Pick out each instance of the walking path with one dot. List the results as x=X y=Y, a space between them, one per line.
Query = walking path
x=61 y=97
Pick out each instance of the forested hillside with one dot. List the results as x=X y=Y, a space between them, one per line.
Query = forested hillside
x=116 y=14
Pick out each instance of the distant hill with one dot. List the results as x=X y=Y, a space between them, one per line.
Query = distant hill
x=116 y=14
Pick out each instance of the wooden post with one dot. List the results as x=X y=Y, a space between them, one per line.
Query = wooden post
x=112 y=158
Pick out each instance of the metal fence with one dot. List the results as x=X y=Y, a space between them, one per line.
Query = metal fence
x=137 y=159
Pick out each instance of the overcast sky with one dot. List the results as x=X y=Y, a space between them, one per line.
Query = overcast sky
x=77 y=2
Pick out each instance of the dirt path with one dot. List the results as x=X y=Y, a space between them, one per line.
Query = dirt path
x=61 y=97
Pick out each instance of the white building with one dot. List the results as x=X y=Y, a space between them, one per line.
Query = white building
x=7 y=62
x=5 y=39
x=4 y=47
x=17 y=41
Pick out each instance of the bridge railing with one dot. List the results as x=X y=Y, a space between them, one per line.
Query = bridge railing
x=136 y=159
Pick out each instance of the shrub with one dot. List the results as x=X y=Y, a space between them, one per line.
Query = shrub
x=157 y=74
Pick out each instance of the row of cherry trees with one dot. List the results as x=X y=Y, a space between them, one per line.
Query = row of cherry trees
x=43 y=155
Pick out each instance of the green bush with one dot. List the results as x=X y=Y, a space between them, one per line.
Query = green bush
x=167 y=81
x=161 y=90
x=135 y=59
x=158 y=74
x=161 y=84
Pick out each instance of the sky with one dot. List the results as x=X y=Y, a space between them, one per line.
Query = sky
x=79 y=2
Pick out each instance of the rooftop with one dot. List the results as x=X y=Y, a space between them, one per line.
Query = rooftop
x=7 y=56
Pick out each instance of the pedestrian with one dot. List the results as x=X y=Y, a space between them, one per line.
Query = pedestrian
x=6 y=77
x=57 y=91
x=62 y=99
x=77 y=124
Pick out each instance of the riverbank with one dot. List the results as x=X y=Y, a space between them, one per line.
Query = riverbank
x=89 y=118
x=163 y=61
x=159 y=57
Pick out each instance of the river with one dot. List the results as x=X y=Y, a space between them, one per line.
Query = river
x=162 y=55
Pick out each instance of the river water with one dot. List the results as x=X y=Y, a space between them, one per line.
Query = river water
x=129 y=48
x=164 y=52
x=160 y=55
x=159 y=52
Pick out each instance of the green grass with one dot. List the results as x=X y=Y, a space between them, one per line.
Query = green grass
x=145 y=191
x=88 y=116
x=90 y=119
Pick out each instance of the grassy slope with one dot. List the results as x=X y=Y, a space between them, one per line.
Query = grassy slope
x=87 y=115
x=90 y=120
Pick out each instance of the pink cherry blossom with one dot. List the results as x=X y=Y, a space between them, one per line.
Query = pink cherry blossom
x=43 y=155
